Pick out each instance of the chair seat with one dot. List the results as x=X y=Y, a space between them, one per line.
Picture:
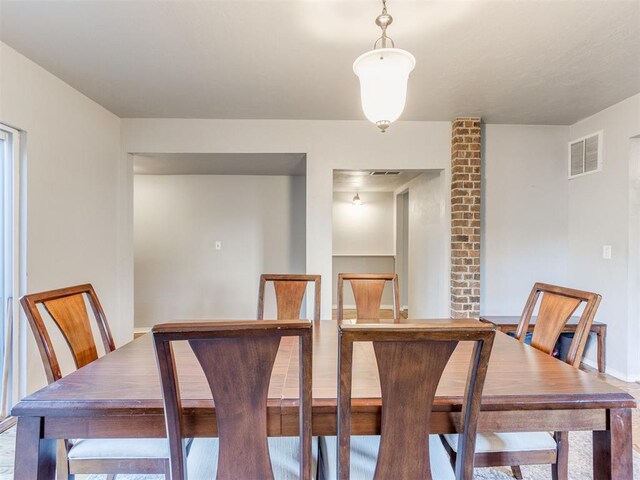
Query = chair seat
x=507 y=442
x=364 y=455
x=202 y=461
x=111 y=448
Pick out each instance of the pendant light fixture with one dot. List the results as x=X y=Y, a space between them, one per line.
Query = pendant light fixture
x=356 y=200
x=383 y=74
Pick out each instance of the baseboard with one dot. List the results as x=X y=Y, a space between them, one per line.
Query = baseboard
x=138 y=332
x=7 y=423
x=353 y=307
x=613 y=372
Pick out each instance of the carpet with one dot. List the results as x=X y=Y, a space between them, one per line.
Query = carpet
x=579 y=463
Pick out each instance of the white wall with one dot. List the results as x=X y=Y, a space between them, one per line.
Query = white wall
x=329 y=145
x=634 y=259
x=73 y=180
x=366 y=229
x=402 y=246
x=362 y=264
x=80 y=201
x=428 y=245
x=599 y=214
x=524 y=212
x=362 y=239
x=177 y=220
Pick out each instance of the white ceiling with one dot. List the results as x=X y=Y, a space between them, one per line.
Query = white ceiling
x=220 y=164
x=519 y=61
x=363 y=181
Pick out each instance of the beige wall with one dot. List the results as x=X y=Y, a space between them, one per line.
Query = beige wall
x=73 y=181
x=428 y=246
x=362 y=239
x=524 y=212
x=80 y=197
x=366 y=229
x=329 y=145
x=601 y=212
x=179 y=274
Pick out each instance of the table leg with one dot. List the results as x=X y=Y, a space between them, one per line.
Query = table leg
x=35 y=456
x=560 y=469
x=600 y=335
x=612 y=448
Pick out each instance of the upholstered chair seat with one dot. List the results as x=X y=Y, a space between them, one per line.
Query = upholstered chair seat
x=202 y=461
x=364 y=455
x=507 y=442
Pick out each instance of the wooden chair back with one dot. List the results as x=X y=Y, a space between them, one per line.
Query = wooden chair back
x=557 y=305
x=290 y=290
x=237 y=358
x=411 y=359
x=367 y=292
x=67 y=308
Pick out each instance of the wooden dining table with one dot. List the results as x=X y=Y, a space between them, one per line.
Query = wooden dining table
x=119 y=396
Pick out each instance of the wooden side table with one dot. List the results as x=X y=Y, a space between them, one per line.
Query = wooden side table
x=509 y=324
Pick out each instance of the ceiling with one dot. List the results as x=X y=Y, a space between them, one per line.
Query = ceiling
x=519 y=61
x=363 y=181
x=220 y=164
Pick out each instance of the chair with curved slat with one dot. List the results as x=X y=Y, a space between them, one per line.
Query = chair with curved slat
x=67 y=308
x=411 y=359
x=290 y=290
x=237 y=359
x=556 y=306
x=367 y=292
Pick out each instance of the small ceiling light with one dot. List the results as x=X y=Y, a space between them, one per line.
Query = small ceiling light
x=383 y=74
x=356 y=200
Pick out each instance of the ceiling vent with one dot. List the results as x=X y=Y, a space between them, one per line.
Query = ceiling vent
x=378 y=173
x=585 y=155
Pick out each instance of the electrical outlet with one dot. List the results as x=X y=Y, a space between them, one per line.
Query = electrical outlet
x=606 y=252
x=218 y=245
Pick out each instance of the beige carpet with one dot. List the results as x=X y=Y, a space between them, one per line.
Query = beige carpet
x=579 y=463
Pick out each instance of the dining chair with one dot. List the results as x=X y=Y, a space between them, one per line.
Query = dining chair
x=237 y=359
x=556 y=306
x=367 y=291
x=68 y=310
x=411 y=359
x=290 y=290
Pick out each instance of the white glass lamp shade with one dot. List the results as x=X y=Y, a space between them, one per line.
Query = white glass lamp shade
x=383 y=77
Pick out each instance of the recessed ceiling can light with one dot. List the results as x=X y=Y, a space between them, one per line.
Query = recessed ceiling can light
x=383 y=74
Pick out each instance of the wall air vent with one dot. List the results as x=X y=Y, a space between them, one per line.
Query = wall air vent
x=379 y=173
x=585 y=155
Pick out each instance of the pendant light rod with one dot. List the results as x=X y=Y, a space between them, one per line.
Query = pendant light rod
x=383 y=21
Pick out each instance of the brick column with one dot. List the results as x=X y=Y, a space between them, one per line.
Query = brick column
x=465 y=217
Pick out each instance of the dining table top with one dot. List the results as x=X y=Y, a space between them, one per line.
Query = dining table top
x=519 y=378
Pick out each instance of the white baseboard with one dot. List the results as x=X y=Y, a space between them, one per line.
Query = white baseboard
x=140 y=331
x=353 y=307
x=613 y=372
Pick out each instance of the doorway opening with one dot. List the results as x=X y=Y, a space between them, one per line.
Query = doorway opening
x=12 y=269
x=207 y=225
x=399 y=225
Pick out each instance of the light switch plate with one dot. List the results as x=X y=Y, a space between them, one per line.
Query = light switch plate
x=606 y=252
x=218 y=245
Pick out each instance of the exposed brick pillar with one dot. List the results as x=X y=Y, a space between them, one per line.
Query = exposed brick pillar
x=465 y=217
